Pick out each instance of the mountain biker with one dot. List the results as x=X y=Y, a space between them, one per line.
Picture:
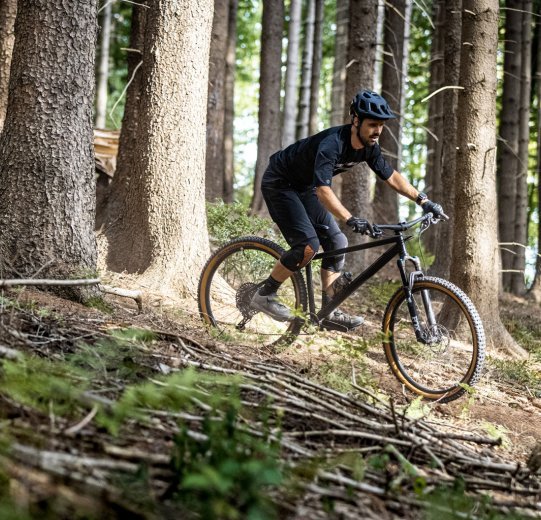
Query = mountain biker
x=297 y=189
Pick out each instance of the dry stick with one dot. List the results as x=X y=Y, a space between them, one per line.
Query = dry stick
x=126 y=293
x=45 y=281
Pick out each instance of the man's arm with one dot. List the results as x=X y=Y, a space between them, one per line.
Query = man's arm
x=401 y=185
x=331 y=203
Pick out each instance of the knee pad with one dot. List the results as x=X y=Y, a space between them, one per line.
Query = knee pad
x=335 y=263
x=298 y=256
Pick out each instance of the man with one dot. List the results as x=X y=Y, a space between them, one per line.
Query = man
x=297 y=190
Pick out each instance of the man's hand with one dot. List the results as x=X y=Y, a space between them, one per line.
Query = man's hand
x=434 y=208
x=359 y=225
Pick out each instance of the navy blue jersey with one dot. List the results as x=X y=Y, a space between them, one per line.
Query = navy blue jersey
x=315 y=160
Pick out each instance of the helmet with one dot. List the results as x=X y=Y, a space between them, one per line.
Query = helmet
x=369 y=105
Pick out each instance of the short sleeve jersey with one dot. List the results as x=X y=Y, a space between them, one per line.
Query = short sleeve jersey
x=315 y=160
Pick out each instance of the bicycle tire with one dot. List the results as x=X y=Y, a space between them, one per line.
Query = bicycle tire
x=452 y=359
x=231 y=276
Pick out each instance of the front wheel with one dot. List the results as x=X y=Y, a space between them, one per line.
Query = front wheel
x=228 y=282
x=449 y=356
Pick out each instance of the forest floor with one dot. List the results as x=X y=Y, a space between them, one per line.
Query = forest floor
x=102 y=419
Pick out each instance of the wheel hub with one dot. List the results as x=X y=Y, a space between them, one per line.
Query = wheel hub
x=437 y=338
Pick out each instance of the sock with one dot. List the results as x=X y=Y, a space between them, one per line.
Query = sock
x=270 y=285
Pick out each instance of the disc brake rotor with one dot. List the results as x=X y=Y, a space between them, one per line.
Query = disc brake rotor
x=437 y=338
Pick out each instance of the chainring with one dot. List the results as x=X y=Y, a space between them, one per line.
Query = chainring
x=244 y=297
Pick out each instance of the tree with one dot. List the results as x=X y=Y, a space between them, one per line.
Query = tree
x=8 y=11
x=268 y=139
x=317 y=58
x=292 y=73
x=229 y=112
x=475 y=266
x=215 y=160
x=394 y=69
x=303 y=115
x=103 y=66
x=518 y=285
x=360 y=74
x=508 y=145
x=451 y=73
x=161 y=231
x=46 y=157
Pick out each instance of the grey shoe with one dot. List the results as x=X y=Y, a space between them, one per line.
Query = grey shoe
x=339 y=320
x=270 y=306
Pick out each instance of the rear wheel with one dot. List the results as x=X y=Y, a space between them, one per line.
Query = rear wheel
x=227 y=284
x=450 y=355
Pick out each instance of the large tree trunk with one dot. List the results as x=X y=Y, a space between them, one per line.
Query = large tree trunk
x=46 y=156
x=316 y=69
x=338 y=99
x=356 y=183
x=215 y=160
x=102 y=89
x=229 y=113
x=475 y=266
x=162 y=228
x=292 y=73
x=509 y=130
x=268 y=140
x=303 y=114
x=109 y=204
x=518 y=284
x=394 y=68
x=8 y=11
x=453 y=27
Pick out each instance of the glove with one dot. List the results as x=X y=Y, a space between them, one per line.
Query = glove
x=359 y=225
x=434 y=208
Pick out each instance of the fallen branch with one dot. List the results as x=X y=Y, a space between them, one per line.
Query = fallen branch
x=46 y=281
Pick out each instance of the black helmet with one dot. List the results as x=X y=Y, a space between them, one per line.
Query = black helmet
x=369 y=105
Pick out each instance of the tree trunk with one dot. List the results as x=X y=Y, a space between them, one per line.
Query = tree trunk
x=476 y=263
x=292 y=73
x=509 y=130
x=215 y=159
x=394 y=71
x=8 y=12
x=316 y=69
x=162 y=228
x=268 y=140
x=535 y=289
x=103 y=68
x=518 y=284
x=356 y=183
x=338 y=99
x=303 y=115
x=453 y=22
x=46 y=156
x=229 y=113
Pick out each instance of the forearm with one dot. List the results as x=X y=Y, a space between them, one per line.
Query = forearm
x=331 y=203
x=401 y=185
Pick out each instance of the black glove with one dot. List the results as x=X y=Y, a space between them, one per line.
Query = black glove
x=359 y=225
x=434 y=208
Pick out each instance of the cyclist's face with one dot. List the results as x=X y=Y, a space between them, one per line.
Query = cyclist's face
x=370 y=131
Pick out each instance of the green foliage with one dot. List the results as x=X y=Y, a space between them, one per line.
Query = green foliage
x=228 y=221
x=417 y=409
x=98 y=303
x=527 y=333
x=516 y=371
x=497 y=432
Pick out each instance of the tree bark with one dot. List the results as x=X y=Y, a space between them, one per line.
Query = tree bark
x=338 y=99
x=392 y=89
x=508 y=145
x=292 y=73
x=518 y=283
x=109 y=205
x=453 y=22
x=316 y=69
x=162 y=230
x=303 y=114
x=268 y=140
x=357 y=182
x=46 y=157
x=103 y=67
x=8 y=12
x=215 y=159
x=229 y=113
x=475 y=266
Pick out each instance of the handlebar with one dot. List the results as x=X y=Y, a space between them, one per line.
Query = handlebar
x=376 y=230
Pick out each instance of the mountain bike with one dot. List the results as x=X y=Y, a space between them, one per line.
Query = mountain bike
x=432 y=335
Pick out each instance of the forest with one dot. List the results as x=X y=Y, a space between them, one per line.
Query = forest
x=137 y=380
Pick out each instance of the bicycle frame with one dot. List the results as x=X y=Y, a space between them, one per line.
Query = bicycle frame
x=398 y=248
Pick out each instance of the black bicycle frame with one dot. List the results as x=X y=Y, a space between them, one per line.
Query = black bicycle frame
x=398 y=249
